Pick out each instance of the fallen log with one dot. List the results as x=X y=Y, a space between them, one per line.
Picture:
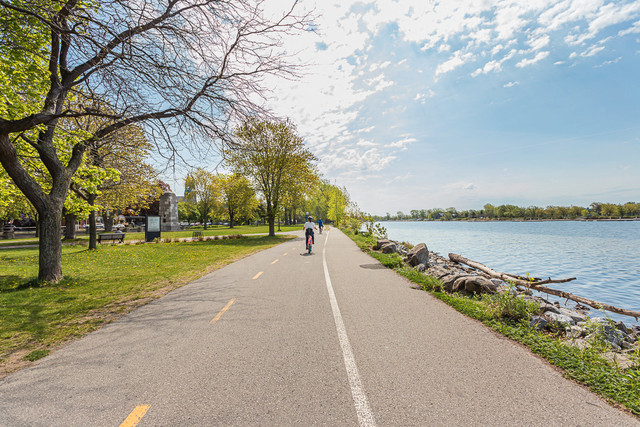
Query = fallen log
x=537 y=285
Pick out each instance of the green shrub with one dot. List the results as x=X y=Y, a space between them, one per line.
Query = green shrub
x=507 y=305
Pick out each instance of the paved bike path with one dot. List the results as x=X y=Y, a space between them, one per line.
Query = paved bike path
x=275 y=357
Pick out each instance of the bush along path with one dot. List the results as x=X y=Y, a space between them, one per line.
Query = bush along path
x=601 y=354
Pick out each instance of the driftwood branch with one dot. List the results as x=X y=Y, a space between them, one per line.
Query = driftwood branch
x=537 y=285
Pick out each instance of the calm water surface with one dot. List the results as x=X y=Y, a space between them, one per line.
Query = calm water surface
x=604 y=256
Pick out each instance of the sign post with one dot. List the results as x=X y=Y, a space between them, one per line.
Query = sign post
x=152 y=228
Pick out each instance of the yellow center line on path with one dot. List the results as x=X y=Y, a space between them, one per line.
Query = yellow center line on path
x=257 y=275
x=274 y=262
x=135 y=416
x=219 y=315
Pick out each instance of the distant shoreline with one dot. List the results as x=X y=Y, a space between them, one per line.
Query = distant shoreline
x=512 y=220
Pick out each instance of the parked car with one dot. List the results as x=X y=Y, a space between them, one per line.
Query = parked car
x=98 y=227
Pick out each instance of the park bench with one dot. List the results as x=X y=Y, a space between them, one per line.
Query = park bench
x=196 y=234
x=111 y=236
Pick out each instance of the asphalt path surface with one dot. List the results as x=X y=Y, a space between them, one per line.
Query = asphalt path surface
x=286 y=338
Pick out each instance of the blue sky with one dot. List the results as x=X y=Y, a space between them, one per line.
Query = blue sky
x=425 y=104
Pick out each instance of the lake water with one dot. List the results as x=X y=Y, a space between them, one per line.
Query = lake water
x=604 y=256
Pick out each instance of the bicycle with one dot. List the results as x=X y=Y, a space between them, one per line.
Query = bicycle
x=309 y=243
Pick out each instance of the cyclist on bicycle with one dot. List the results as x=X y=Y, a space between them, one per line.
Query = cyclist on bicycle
x=308 y=231
x=320 y=225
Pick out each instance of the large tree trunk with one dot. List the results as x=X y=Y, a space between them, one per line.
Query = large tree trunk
x=50 y=244
x=70 y=226
x=272 y=225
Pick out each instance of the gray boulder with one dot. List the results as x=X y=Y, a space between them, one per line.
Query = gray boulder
x=474 y=285
x=389 y=248
x=575 y=315
x=448 y=280
x=549 y=308
x=419 y=254
x=559 y=318
x=538 y=322
x=576 y=332
x=380 y=243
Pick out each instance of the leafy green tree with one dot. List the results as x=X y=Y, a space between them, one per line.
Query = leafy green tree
x=338 y=203
x=596 y=208
x=269 y=154
x=631 y=209
x=301 y=184
x=203 y=191
x=187 y=212
x=148 y=64
x=489 y=210
x=238 y=197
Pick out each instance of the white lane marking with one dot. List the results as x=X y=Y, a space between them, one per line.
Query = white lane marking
x=365 y=415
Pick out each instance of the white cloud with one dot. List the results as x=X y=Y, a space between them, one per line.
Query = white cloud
x=592 y=51
x=539 y=57
x=381 y=66
x=540 y=42
x=352 y=159
x=454 y=62
x=379 y=83
x=401 y=144
x=511 y=84
x=422 y=97
x=612 y=61
x=470 y=186
x=632 y=30
x=363 y=143
x=366 y=130
x=488 y=67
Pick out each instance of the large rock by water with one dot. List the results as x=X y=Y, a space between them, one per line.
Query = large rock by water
x=380 y=243
x=389 y=248
x=419 y=254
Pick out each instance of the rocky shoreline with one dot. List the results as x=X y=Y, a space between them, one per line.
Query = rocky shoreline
x=575 y=323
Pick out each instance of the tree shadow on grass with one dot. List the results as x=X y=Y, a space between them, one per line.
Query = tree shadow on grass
x=13 y=283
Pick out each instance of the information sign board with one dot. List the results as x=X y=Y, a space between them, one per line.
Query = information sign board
x=152 y=228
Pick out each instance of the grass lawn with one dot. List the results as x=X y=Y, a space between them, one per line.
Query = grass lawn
x=98 y=287
x=589 y=366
